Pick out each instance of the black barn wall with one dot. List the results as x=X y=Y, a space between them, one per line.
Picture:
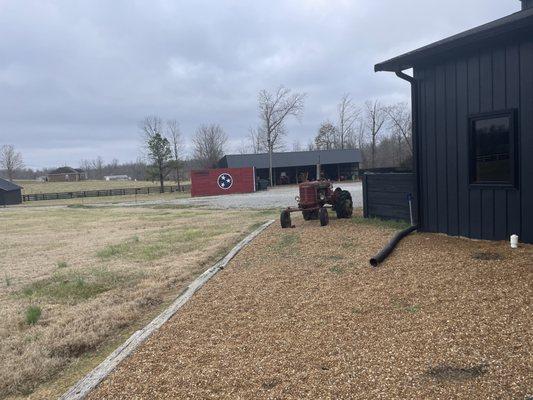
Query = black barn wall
x=485 y=80
x=10 y=198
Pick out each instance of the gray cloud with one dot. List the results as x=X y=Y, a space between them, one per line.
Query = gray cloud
x=77 y=76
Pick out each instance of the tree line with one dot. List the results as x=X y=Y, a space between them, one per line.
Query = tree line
x=383 y=133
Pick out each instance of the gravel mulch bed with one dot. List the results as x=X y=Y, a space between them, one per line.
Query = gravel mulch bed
x=300 y=314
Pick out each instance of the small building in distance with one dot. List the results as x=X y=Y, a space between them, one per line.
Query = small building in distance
x=10 y=193
x=117 y=178
x=66 y=174
x=298 y=166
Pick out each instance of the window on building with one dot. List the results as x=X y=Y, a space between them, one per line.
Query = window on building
x=492 y=149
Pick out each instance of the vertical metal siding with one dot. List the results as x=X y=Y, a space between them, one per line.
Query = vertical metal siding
x=452 y=177
x=489 y=80
x=526 y=139
x=512 y=87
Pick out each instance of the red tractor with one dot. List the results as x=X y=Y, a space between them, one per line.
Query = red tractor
x=312 y=202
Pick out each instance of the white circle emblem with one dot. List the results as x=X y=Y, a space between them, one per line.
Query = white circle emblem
x=225 y=181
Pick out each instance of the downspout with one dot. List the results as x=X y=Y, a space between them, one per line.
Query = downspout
x=415 y=139
x=387 y=250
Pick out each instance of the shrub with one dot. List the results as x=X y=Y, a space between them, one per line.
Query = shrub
x=62 y=264
x=33 y=314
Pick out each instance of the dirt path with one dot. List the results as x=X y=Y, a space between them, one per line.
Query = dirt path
x=301 y=315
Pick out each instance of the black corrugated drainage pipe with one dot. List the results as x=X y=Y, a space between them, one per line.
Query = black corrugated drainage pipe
x=385 y=252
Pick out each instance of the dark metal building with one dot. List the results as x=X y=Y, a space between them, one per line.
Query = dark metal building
x=294 y=167
x=473 y=129
x=10 y=193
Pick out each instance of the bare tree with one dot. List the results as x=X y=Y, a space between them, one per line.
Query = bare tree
x=296 y=145
x=348 y=118
x=86 y=165
x=274 y=109
x=401 y=123
x=98 y=167
x=326 y=137
x=257 y=141
x=209 y=142
x=176 y=143
x=10 y=160
x=244 y=147
x=376 y=116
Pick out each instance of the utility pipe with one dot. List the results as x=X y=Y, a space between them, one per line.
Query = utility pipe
x=415 y=139
x=385 y=252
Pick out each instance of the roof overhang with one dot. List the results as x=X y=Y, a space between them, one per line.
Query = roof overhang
x=515 y=23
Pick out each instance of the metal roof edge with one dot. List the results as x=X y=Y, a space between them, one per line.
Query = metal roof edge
x=516 y=21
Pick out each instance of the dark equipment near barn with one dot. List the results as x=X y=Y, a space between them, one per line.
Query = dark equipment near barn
x=313 y=201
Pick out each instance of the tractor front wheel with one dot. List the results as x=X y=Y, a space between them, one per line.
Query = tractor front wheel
x=344 y=205
x=285 y=219
x=324 y=216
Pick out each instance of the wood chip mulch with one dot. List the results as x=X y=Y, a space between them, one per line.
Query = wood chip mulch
x=300 y=314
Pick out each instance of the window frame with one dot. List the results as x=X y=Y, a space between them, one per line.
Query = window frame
x=513 y=149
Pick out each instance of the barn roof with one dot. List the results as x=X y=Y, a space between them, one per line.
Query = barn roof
x=8 y=186
x=518 y=23
x=66 y=170
x=291 y=159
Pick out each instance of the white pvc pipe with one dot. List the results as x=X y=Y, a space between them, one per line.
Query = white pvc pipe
x=514 y=241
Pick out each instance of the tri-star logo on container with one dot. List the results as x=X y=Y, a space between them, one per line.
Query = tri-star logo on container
x=225 y=181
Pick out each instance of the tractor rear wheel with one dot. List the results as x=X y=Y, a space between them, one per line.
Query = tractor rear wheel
x=324 y=216
x=309 y=215
x=285 y=219
x=344 y=205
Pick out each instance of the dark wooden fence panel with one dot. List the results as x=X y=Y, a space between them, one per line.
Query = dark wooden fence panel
x=103 y=193
x=386 y=196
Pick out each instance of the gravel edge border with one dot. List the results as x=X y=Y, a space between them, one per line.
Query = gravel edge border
x=90 y=381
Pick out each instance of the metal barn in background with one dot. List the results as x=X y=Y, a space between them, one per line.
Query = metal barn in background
x=472 y=100
x=299 y=166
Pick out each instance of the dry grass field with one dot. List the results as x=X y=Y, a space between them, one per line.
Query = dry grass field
x=31 y=187
x=74 y=282
x=300 y=314
x=85 y=201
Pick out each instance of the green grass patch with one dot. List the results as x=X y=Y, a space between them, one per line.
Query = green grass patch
x=348 y=245
x=170 y=206
x=113 y=250
x=32 y=315
x=383 y=223
x=81 y=206
x=412 y=309
x=161 y=244
x=286 y=241
x=406 y=306
x=72 y=288
x=62 y=264
x=269 y=212
x=336 y=270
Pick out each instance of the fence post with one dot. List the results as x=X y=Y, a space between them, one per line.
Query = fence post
x=365 y=196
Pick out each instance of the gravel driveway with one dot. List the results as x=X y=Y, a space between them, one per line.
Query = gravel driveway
x=272 y=198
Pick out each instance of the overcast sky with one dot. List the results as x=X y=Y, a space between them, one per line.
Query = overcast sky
x=76 y=77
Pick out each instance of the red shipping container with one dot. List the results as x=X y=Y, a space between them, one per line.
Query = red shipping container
x=215 y=182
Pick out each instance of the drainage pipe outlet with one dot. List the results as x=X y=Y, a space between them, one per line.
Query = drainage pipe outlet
x=383 y=254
